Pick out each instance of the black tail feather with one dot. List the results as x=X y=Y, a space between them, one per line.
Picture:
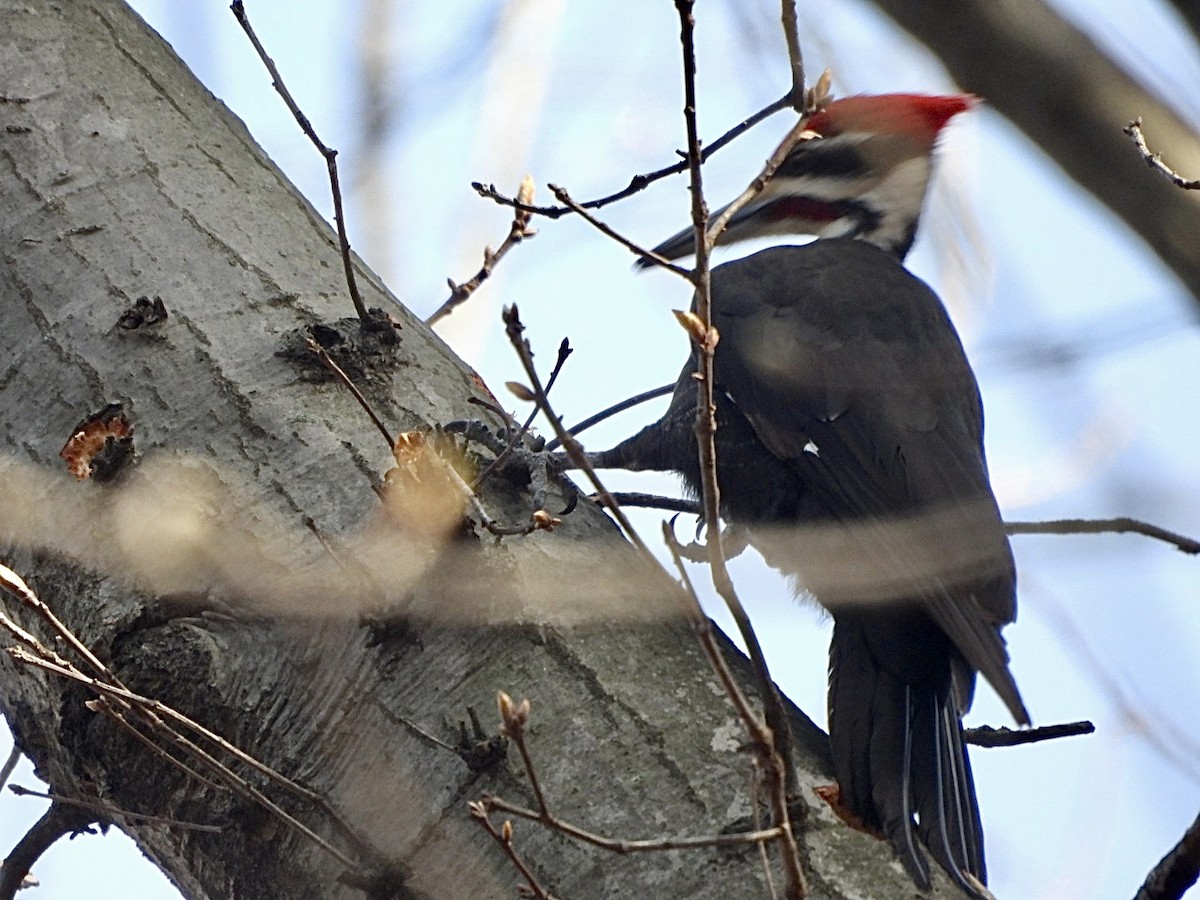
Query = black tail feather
x=947 y=810
x=902 y=765
x=968 y=831
x=907 y=849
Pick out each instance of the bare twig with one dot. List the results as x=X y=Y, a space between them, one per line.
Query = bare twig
x=564 y=353
x=778 y=767
x=798 y=133
x=1154 y=160
x=57 y=821
x=117 y=715
x=153 y=713
x=327 y=360
x=514 y=719
x=235 y=782
x=652 y=394
x=517 y=435
x=330 y=155
x=986 y=736
x=416 y=729
x=702 y=626
x=504 y=837
x=702 y=332
x=705 y=336
x=517 y=232
x=756 y=804
x=791 y=33
x=624 y=846
x=14 y=584
x=1177 y=871
x=516 y=336
x=1119 y=525
x=10 y=764
x=561 y=195
x=108 y=811
x=638 y=182
x=653 y=501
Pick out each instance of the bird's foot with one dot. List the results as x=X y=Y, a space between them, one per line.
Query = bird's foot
x=520 y=456
x=832 y=795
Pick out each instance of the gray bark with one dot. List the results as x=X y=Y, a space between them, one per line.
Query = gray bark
x=195 y=581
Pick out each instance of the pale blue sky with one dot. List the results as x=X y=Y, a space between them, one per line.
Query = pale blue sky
x=586 y=100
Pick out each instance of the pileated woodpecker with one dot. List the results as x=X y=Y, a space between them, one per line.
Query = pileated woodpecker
x=850 y=449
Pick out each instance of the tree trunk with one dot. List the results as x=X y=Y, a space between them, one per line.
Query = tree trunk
x=196 y=582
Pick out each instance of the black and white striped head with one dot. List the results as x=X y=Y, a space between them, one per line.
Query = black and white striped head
x=864 y=177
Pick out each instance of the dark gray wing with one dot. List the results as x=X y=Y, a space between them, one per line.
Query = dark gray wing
x=848 y=369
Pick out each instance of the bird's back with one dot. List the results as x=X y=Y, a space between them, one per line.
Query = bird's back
x=850 y=446
x=847 y=371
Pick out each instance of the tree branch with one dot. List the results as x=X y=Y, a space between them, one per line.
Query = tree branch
x=791 y=34
x=330 y=155
x=57 y=821
x=629 y=403
x=638 y=182
x=1154 y=161
x=778 y=767
x=1075 y=109
x=1177 y=871
x=517 y=232
x=1119 y=525
x=561 y=195
x=987 y=736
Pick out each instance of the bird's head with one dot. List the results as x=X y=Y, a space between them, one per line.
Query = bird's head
x=864 y=177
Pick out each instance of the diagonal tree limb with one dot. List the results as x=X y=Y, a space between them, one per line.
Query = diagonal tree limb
x=1177 y=871
x=1073 y=101
x=57 y=821
x=1190 y=13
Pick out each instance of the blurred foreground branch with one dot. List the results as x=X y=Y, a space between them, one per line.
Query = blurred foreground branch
x=1073 y=101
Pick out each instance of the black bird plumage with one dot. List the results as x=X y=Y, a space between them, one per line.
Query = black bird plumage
x=850 y=447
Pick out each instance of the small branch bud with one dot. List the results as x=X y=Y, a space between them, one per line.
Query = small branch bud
x=521 y=217
x=705 y=338
x=545 y=521
x=521 y=392
x=513 y=718
x=819 y=95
